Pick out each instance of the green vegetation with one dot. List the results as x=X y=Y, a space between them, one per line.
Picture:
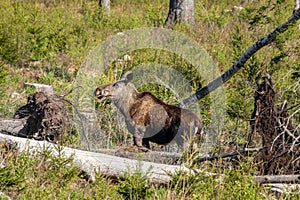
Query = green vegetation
x=46 y=177
x=47 y=41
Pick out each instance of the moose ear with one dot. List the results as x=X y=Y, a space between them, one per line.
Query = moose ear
x=128 y=76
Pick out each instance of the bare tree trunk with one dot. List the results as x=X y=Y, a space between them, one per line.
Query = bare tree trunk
x=240 y=63
x=104 y=4
x=180 y=10
x=297 y=5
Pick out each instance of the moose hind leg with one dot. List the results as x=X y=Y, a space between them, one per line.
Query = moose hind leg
x=146 y=143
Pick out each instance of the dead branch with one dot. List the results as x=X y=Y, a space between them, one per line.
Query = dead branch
x=47 y=89
x=285 y=188
x=231 y=155
x=70 y=92
x=274 y=126
x=277 y=179
x=240 y=63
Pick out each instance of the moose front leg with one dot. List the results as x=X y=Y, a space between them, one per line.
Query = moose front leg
x=138 y=133
x=141 y=143
x=138 y=141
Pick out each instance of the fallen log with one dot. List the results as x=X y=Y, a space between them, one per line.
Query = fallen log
x=115 y=167
x=278 y=179
x=91 y=162
x=12 y=126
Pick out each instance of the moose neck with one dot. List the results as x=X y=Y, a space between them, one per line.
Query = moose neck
x=126 y=100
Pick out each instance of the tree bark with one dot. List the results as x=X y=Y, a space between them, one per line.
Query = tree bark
x=240 y=63
x=180 y=10
x=104 y=4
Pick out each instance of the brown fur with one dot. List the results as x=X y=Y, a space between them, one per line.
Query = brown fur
x=148 y=118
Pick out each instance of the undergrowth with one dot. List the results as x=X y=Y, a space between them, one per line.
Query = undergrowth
x=45 y=176
x=47 y=42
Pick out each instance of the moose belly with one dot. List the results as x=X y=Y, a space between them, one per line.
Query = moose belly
x=162 y=137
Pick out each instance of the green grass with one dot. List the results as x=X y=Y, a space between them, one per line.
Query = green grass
x=43 y=176
x=46 y=177
x=47 y=42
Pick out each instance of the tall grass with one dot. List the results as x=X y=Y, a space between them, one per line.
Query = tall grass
x=47 y=41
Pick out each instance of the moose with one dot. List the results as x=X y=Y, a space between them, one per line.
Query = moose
x=149 y=119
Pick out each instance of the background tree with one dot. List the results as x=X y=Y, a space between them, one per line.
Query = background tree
x=180 y=10
x=297 y=5
x=104 y=4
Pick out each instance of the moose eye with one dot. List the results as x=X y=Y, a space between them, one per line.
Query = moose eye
x=116 y=84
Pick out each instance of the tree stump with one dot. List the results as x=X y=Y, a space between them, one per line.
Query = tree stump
x=274 y=126
x=45 y=117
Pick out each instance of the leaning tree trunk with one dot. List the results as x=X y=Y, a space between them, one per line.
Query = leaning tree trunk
x=240 y=63
x=180 y=10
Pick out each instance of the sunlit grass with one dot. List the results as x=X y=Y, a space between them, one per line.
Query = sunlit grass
x=47 y=42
